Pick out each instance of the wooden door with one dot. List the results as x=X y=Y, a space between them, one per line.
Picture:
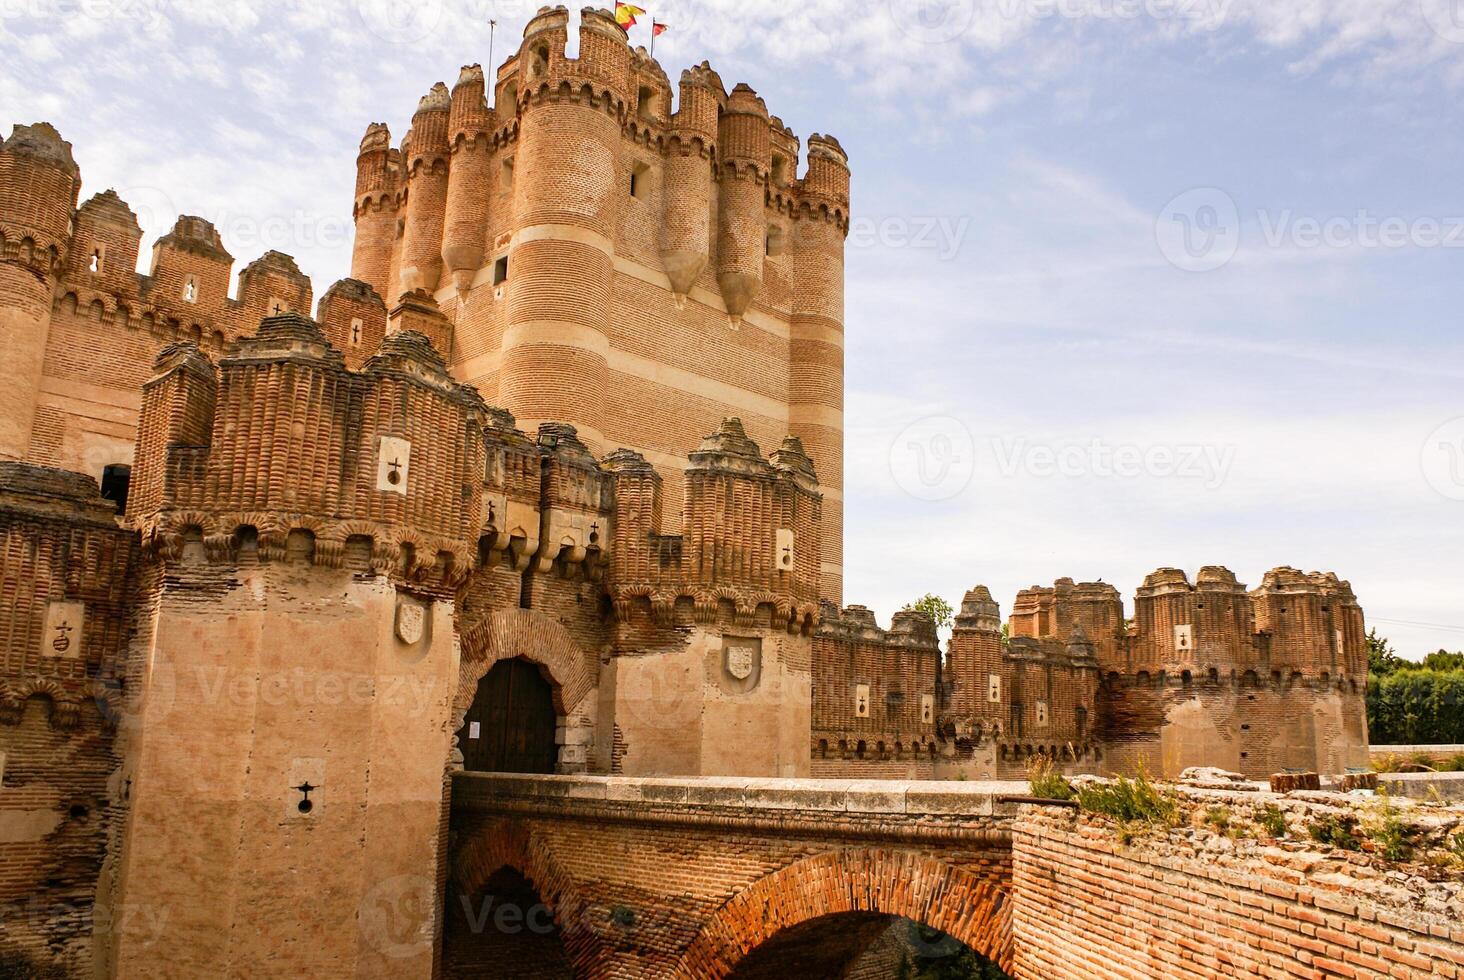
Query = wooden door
x=510 y=727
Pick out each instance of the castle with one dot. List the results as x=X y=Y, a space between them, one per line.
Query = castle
x=551 y=484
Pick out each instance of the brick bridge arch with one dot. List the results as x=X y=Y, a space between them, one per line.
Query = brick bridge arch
x=509 y=844
x=933 y=893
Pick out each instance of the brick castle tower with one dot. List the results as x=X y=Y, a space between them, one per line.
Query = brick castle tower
x=605 y=262
x=574 y=430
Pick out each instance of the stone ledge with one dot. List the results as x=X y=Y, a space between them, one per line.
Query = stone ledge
x=845 y=796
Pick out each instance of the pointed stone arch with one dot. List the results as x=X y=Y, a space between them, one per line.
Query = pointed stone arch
x=971 y=909
x=506 y=634
x=510 y=844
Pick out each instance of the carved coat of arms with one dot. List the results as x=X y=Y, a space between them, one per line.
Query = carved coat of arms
x=411 y=621
x=741 y=661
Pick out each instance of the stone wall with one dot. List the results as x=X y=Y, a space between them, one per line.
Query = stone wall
x=1094 y=902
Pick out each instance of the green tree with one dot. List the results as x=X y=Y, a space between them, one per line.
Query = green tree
x=936 y=608
x=1382 y=659
x=1443 y=660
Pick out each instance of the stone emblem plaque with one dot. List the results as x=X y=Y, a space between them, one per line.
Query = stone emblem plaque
x=411 y=621
x=64 y=624
x=741 y=663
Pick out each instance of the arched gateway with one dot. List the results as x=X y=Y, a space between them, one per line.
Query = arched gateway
x=522 y=676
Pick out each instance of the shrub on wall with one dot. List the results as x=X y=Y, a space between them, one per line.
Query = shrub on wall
x=1416 y=707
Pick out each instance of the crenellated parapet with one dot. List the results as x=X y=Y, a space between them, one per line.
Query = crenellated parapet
x=1294 y=626
x=749 y=547
x=875 y=691
x=282 y=450
x=66 y=563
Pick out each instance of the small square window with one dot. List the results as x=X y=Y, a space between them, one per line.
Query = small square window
x=500 y=270
x=640 y=184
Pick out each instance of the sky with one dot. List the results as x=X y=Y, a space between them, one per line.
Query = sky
x=1131 y=283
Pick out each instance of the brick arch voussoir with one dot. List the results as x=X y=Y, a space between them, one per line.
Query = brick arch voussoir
x=941 y=896
x=504 y=634
x=510 y=844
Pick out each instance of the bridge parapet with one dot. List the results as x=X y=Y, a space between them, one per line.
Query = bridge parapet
x=979 y=813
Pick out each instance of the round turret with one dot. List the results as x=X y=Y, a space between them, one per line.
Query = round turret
x=469 y=181
x=377 y=177
x=426 y=158
x=745 y=141
x=39 y=185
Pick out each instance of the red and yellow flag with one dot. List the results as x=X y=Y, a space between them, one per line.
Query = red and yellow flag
x=625 y=15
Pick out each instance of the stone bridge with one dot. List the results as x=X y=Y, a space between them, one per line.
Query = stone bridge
x=601 y=877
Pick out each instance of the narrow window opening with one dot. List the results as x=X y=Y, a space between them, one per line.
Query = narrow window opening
x=639 y=184
x=775 y=241
x=500 y=270
x=190 y=290
x=116 y=479
x=95 y=265
x=506 y=174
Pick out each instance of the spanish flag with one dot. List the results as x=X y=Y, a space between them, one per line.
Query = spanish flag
x=625 y=15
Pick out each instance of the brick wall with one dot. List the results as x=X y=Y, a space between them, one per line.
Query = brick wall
x=1090 y=907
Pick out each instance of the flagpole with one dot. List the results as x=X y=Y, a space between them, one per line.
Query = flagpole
x=492 y=68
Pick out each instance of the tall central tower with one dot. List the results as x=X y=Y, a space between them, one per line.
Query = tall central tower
x=638 y=272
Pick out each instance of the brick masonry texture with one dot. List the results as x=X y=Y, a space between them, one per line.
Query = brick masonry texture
x=578 y=408
x=1044 y=891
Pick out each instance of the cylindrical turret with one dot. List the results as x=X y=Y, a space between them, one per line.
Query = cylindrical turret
x=553 y=365
x=745 y=138
x=816 y=345
x=686 y=243
x=39 y=185
x=469 y=182
x=426 y=159
x=375 y=212
x=1165 y=621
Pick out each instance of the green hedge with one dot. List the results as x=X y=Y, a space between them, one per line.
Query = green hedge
x=1416 y=707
